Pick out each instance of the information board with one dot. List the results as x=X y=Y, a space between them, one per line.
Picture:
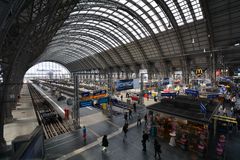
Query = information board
x=192 y=92
x=85 y=103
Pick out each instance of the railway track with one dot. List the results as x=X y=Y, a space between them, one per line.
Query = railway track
x=52 y=123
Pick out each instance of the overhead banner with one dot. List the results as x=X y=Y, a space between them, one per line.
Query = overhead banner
x=192 y=92
x=127 y=84
x=86 y=103
x=85 y=94
x=95 y=93
x=103 y=100
x=124 y=84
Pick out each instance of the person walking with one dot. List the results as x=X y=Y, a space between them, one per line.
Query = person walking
x=130 y=113
x=125 y=130
x=104 y=143
x=139 y=119
x=145 y=138
x=146 y=119
x=126 y=117
x=134 y=107
x=84 y=135
x=157 y=148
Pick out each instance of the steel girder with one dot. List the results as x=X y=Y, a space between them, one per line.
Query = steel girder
x=69 y=55
x=154 y=39
x=176 y=29
x=134 y=15
x=90 y=43
x=102 y=42
x=102 y=61
x=66 y=50
x=83 y=50
x=111 y=36
x=77 y=27
x=100 y=27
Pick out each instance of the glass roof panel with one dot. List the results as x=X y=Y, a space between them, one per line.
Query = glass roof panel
x=175 y=11
x=141 y=3
x=139 y=12
x=153 y=3
x=197 y=9
x=185 y=10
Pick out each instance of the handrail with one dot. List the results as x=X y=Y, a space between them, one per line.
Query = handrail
x=33 y=147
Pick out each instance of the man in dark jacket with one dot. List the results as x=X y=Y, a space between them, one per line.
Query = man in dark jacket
x=104 y=143
x=144 y=140
x=125 y=130
x=157 y=148
x=134 y=107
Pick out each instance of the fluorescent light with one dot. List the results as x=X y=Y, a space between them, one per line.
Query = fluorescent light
x=193 y=40
x=237 y=44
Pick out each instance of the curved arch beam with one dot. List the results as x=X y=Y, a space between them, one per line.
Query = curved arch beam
x=101 y=41
x=97 y=46
x=117 y=25
x=65 y=54
x=90 y=47
x=107 y=33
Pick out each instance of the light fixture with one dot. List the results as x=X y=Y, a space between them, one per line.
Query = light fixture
x=193 y=40
x=169 y=26
x=236 y=44
x=204 y=50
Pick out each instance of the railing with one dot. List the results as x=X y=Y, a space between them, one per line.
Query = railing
x=30 y=146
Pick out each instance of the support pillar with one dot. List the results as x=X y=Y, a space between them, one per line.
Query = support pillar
x=110 y=89
x=213 y=68
x=76 y=118
x=141 y=90
x=127 y=74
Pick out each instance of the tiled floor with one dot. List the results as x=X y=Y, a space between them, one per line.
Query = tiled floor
x=71 y=145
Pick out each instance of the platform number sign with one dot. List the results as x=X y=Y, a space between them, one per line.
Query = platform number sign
x=198 y=72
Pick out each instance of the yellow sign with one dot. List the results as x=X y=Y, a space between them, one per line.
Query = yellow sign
x=225 y=119
x=199 y=72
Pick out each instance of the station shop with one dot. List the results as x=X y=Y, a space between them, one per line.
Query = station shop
x=180 y=122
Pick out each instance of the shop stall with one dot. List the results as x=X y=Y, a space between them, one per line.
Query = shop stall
x=184 y=121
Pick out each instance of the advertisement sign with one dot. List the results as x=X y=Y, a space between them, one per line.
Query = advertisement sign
x=102 y=91
x=98 y=92
x=124 y=84
x=86 y=103
x=192 y=92
x=165 y=81
x=103 y=100
x=85 y=94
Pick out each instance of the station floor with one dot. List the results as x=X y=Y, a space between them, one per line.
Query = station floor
x=24 y=117
x=71 y=145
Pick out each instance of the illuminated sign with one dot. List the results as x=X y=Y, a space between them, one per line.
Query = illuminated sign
x=198 y=72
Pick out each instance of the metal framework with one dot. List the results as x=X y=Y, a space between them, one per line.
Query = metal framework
x=119 y=28
x=115 y=36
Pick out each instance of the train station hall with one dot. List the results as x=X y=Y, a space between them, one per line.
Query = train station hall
x=119 y=79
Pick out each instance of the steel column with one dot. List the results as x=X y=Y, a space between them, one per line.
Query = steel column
x=76 y=118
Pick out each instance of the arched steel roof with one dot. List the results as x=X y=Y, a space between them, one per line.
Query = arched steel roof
x=123 y=33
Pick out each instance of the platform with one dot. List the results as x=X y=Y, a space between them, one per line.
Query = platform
x=24 y=117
